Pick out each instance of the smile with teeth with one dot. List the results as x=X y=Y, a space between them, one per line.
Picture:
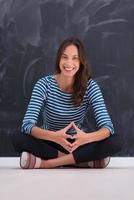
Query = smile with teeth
x=69 y=68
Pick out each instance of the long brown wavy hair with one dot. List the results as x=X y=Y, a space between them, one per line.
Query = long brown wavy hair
x=82 y=75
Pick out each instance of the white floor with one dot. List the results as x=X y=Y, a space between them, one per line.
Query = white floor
x=116 y=182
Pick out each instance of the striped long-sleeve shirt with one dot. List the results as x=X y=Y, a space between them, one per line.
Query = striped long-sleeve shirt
x=58 y=110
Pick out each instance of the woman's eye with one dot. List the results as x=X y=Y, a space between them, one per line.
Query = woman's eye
x=76 y=58
x=64 y=57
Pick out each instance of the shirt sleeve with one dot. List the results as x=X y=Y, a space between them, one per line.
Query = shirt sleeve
x=96 y=100
x=37 y=100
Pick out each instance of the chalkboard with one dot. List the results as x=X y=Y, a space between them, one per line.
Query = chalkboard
x=30 y=33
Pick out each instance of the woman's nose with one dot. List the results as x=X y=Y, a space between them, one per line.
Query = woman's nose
x=69 y=62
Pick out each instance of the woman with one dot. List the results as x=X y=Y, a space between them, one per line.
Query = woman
x=64 y=99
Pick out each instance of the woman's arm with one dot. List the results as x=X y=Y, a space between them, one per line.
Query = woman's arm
x=82 y=138
x=42 y=134
x=101 y=134
x=59 y=137
x=103 y=120
x=101 y=114
x=37 y=101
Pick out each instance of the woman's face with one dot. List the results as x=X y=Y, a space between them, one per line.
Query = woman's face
x=70 y=62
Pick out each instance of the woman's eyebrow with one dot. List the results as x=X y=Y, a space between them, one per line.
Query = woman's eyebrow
x=64 y=54
x=73 y=55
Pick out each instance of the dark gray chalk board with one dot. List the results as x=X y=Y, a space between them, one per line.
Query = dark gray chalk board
x=30 y=33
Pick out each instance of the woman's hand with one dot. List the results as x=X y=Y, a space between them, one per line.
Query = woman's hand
x=60 y=137
x=81 y=138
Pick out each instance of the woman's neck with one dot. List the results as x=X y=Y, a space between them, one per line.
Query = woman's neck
x=65 y=83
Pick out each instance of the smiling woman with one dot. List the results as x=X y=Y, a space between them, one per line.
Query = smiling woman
x=69 y=65
x=64 y=99
x=72 y=55
x=69 y=62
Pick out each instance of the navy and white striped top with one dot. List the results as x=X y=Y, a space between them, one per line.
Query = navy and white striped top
x=58 y=109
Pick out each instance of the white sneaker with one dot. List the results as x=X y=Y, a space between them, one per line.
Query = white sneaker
x=29 y=161
x=102 y=163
